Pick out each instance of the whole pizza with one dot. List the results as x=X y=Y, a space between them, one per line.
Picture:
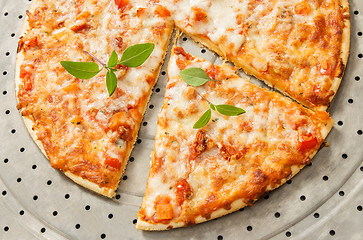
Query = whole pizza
x=221 y=141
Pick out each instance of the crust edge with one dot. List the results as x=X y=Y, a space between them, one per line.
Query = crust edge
x=345 y=49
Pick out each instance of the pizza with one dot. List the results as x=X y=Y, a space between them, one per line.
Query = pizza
x=84 y=132
x=299 y=47
x=201 y=174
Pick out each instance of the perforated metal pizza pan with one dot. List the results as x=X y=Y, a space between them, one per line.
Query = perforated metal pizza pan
x=324 y=201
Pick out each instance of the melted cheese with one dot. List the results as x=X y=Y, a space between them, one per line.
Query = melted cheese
x=231 y=158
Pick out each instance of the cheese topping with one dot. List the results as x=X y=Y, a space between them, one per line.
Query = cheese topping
x=195 y=172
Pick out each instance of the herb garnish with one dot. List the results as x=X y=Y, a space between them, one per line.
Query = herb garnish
x=194 y=76
x=197 y=77
x=133 y=56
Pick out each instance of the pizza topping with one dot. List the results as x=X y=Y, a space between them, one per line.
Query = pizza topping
x=200 y=14
x=182 y=191
x=27 y=43
x=162 y=11
x=208 y=206
x=303 y=8
x=203 y=120
x=113 y=162
x=133 y=56
x=26 y=73
x=163 y=207
x=225 y=109
x=81 y=70
x=182 y=52
x=307 y=142
x=194 y=76
x=123 y=123
x=81 y=27
x=122 y=4
x=325 y=67
x=197 y=77
x=200 y=143
x=136 y=55
x=76 y=120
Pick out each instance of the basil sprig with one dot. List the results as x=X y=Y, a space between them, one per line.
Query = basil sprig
x=133 y=56
x=197 y=77
x=224 y=109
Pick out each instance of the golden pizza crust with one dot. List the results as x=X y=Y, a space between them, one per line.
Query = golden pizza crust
x=344 y=51
x=108 y=192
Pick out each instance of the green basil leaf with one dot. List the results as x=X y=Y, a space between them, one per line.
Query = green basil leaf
x=111 y=82
x=137 y=54
x=81 y=70
x=229 y=110
x=194 y=76
x=203 y=120
x=211 y=105
x=112 y=61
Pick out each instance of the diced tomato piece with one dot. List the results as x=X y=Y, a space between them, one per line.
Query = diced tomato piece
x=200 y=14
x=161 y=11
x=307 y=142
x=140 y=12
x=163 y=207
x=182 y=191
x=81 y=27
x=303 y=8
x=121 y=4
x=113 y=162
x=27 y=77
x=213 y=72
x=181 y=64
x=240 y=18
x=325 y=67
x=180 y=51
x=73 y=87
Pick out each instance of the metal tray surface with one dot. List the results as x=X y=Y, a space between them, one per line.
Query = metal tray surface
x=324 y=201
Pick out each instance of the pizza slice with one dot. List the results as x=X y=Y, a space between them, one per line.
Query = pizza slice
x=299 y=47
x=201 y=174
x=82 y=130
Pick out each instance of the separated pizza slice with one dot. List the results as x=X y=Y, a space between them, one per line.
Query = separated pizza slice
x=200 y=174
x=299 y=47
x=82 y=130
